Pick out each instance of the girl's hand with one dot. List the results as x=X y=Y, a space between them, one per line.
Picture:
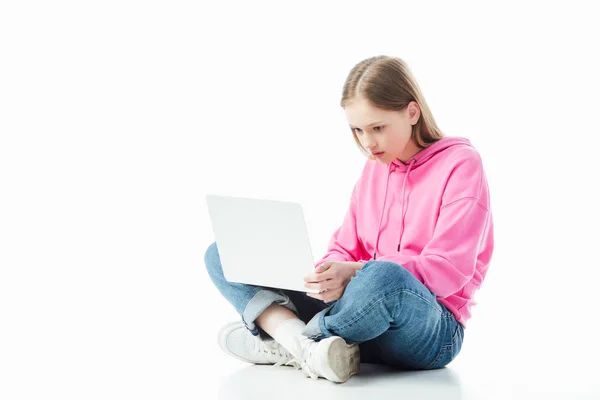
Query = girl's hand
x=331 y=279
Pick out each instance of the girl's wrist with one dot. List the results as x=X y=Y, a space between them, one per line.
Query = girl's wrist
x=359 y=264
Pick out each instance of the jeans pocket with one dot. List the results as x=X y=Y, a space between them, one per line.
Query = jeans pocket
x=456 y=336
x=449 y=350
x=457 y=340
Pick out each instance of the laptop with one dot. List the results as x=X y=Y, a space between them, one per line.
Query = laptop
x=262 y=242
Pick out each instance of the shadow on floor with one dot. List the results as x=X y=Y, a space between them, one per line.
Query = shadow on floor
x=375 y=381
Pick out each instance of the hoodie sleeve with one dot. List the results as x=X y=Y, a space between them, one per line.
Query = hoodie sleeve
x=344 y=244
x=462 y=230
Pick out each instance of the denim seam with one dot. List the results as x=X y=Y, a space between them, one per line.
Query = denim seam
x=455 y=337
x=443 y=350
x=385 y=298
x=315 y=323
x=263 y=299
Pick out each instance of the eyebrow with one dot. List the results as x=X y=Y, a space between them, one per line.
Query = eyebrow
x=371 y=124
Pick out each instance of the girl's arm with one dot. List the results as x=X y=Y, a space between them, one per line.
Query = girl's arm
x=462 y=243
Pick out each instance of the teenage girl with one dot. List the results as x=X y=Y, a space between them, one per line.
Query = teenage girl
x=398 y=279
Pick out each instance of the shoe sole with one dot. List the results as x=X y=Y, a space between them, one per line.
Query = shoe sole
x=343 y=360
x=222 y=338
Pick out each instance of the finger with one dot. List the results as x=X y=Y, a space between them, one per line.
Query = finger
x=331 y=296
x=318 y=276
x=318 y=270
x=315 y=296
x=325 y=266
x=323 y=285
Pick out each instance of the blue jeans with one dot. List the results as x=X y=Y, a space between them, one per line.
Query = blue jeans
x=392 y=316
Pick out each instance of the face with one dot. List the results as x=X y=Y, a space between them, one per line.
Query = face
x=383 y=131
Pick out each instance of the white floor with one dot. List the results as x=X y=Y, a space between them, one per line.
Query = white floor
x=473 y=375
x=148 y=350
x=378 y=382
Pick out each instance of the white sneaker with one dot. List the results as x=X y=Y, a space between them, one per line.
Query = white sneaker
x=331 y=358
x=236 y=340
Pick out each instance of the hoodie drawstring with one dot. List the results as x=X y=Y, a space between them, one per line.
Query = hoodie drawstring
x=382 y=211
x=404 y=202
x=383 y=208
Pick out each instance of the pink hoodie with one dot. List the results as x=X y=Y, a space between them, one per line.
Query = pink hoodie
x=431 y=215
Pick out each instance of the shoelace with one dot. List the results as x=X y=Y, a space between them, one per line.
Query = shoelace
x=276 y=351
x=272 y=351
x=301 y=363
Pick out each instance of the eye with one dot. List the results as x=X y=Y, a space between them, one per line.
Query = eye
x=377 y=129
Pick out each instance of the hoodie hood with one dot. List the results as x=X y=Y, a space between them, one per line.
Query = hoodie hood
x=418 y=160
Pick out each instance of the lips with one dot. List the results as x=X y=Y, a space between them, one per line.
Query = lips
x=377 y=154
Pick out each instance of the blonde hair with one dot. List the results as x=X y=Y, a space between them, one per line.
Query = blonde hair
x=388 y=83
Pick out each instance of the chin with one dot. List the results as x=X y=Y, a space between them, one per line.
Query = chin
x=385 y=159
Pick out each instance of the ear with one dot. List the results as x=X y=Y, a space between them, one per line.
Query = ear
x=414 y=112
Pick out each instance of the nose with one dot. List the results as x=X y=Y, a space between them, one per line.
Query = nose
x=369 y=144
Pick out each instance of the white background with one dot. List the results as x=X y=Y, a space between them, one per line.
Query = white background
x=117 y=117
